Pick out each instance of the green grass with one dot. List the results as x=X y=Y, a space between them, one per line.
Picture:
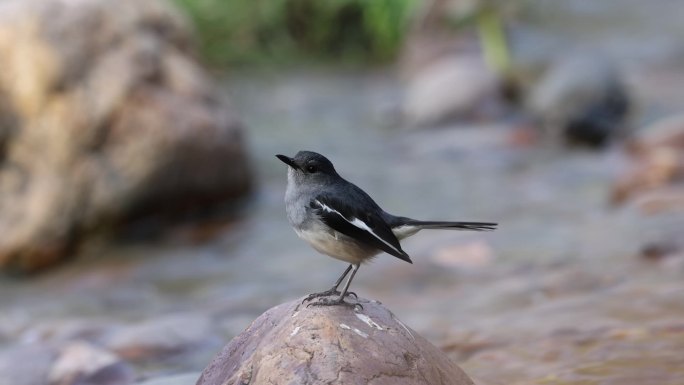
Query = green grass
x=234 y=32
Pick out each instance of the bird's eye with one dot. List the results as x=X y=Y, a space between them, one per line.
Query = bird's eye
x=311 y=168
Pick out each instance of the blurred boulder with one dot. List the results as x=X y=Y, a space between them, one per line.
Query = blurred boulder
x=80 y=363
x=582 y=99
x=448 y=67
x=657 y=155
x=451 y=87
x=295 y=344
x=105 y=118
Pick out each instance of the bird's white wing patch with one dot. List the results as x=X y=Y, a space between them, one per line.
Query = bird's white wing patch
x=405 y=231
x=356 y=222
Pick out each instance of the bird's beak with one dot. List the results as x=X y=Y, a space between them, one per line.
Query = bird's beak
x=288 y=161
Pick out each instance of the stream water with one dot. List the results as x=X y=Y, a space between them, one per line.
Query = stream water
x=557 y=294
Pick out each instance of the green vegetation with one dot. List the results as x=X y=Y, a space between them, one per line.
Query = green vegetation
x=249 y=31
x=489 y=17
x=494 y=42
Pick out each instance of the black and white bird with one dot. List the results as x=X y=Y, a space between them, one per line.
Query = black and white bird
x=339 y=219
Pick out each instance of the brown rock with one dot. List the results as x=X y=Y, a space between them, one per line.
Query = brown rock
x=104 y=117
x=295 y=344
x=657 y=155
x=667 y=132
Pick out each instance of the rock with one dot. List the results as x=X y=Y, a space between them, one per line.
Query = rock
x=662 y=200
x=667 y=133
x=161 y=337
x=452 y=87
x=581 y=99
x=657 y=154
x=80 y=363
x=104 y=117
x=443 y=62
x=179 y=379
x=295 y=344
x=26 y=365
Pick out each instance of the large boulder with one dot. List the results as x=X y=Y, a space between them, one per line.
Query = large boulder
x=295 y=344
x=104 y=117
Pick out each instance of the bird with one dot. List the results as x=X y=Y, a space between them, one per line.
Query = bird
x=339 y=219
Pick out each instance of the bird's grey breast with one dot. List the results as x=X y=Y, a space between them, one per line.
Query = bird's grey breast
x=297 y=203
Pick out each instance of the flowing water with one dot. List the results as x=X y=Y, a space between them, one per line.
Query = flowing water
x=557 y=290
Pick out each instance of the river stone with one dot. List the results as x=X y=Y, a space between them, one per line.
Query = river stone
x=295 y=344
x=452 y=87
x=105 y=117
x=80 y=363
x=582 y=99
x=657 y=155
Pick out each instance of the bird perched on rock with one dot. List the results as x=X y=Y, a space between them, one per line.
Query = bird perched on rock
x=339 y=219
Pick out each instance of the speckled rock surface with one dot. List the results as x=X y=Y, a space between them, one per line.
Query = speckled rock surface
x=295 y=344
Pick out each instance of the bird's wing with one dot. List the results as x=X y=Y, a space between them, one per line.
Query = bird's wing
x=363 y=225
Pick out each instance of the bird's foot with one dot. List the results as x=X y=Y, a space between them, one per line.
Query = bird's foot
x=327 y=293
x=339 y=301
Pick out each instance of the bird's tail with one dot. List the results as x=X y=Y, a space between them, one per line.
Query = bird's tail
x=473 y=226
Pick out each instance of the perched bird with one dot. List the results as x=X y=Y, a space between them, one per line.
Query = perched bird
x=339 y=219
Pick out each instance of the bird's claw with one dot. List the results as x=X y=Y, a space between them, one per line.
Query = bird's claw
x=328 y=293
x=335 y=302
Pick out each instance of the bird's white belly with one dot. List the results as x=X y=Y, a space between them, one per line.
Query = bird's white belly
x=336 y=245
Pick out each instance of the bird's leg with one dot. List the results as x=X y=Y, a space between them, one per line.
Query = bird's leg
x=340 y=300
x=332 y=290
x=346 y=285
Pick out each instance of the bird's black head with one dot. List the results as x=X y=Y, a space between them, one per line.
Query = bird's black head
x=310 y=164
